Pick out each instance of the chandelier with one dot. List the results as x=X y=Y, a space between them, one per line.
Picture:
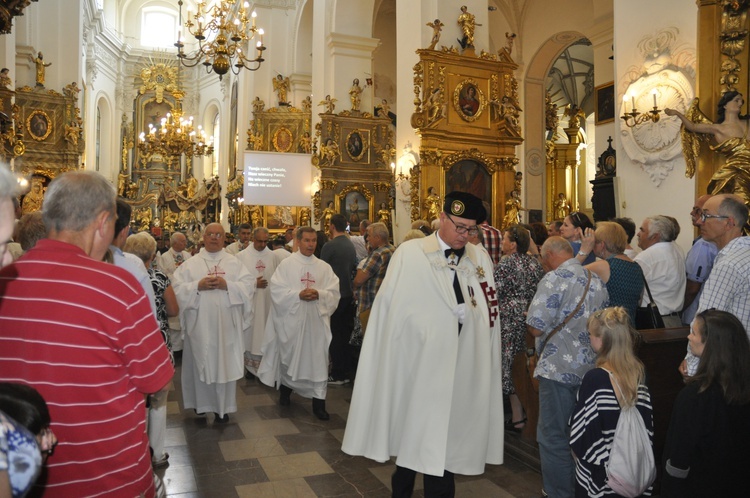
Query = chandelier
x=175 y=136
x=221 y=31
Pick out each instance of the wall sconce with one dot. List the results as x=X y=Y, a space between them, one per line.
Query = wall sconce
x=635 y=118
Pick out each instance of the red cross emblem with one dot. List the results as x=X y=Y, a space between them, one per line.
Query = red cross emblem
x=307 y=280
x=216 y=271
x=260 y=266
x=489 y=295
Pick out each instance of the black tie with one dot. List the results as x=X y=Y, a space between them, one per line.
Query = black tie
x=456 y=285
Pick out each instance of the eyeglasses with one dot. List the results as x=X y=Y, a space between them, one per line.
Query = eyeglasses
x=215 y=235
x=461 y=230
x=705 y=216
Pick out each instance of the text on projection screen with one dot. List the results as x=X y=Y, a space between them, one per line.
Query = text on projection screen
x=275 y=179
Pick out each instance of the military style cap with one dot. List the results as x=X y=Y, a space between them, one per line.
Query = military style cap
x=465 y=205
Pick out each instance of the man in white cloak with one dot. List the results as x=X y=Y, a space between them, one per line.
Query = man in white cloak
x=261 y=262
x=304 y=295
x=168 y=263
x=428 y=387
x=215 y=293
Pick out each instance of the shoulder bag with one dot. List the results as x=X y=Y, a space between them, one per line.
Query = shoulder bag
x=648 y=317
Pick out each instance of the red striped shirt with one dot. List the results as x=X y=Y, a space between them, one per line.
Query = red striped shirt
x=83 y=334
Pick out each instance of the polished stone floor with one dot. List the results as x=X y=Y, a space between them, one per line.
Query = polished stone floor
x=271 y=451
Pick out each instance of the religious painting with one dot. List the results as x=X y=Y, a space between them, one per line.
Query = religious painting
x=356 y=145
x=356 y=208
x=282 y=140
x=468 y=100
x=38 y=125
x=279 y=218
x=469 y=176
x=605 y=103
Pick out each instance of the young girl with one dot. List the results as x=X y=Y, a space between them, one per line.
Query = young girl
x=617 y=381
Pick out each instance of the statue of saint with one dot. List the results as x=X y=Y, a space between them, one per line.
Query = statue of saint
x=143 y=219
x=304 y=217
x=305 y=143
x=307 y=104
x=325 y=220
x=281 y=86
x=258 y=105
x=256 y=220
x=384 y=214
x=330 y=151
x=5 y=81
x=468 y=23
x=432 y=204
x=40 y=68
x=355 y=95
x=729 y=137
x=562 y=207
x=122 y=182
x=512 y=210
x=34 y=199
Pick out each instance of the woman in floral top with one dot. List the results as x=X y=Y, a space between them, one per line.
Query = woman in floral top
x=516 y=278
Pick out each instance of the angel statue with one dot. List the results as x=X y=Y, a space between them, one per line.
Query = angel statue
x=728 y=137
x=436 y=28
x=432 y=204
x=281 y=86
x=330 y=151
x=328 y=103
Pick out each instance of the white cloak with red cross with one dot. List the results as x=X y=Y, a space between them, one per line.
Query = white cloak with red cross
x=425 y=393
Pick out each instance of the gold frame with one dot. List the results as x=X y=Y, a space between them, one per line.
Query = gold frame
x=364 y=138
x=364 y=192
x=480 y=96
x=32 y=134
x=276 y=139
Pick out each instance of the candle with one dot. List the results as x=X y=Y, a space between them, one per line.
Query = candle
x=653 y=92
x=632 y=100
x=625 y=103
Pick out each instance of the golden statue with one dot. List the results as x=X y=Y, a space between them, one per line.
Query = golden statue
x=169 y=219
x=434 y=105
x=132 y=190
x=143 y=219
x=304 y=217
x=305 y=143
x=307 y=104
x=281 y=86
x=122 y=182
x=330 y=151
x=328 y=103
x=729 y=137
x=512 y=210
x=355 y=95
x=468 y=23
x=436 y=28
x=35 y=198
x=432 y=204
x=384 y=214
x=256 y=219
x=384 y=109
x=40 y=68
x=562 y=207
x=258 y=105
x=325 y=220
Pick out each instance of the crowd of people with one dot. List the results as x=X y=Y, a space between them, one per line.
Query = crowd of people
x=94 y=317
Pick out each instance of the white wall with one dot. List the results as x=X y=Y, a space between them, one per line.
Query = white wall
x=639 y=196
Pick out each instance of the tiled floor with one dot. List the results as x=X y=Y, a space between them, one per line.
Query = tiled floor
x=271 y=451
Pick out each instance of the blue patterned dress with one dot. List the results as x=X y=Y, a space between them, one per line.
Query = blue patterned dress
x=516 y=278
x=625 y=285
x=19 y=455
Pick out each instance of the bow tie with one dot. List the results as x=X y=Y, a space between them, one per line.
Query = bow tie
x=457 y=252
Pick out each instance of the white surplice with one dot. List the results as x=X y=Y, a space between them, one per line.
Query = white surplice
x=213 y=322
x=425 y=393
x=259 y=264
x=298 y=333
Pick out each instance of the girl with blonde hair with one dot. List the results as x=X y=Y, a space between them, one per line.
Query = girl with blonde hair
x=616 y=382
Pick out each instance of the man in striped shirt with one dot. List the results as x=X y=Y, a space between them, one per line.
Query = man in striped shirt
x=83 y=334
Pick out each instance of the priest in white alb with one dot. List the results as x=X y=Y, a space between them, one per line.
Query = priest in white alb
x=215 y=293
x=261 y=262
x=304 y=294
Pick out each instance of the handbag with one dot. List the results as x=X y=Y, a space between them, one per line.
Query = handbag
x=648 y=317
x=532 y=357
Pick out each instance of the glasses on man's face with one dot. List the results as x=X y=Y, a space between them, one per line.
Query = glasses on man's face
x=705 y=216
x=461 y=229
x=215 y=235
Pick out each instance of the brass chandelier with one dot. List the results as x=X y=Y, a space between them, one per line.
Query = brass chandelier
x=175 y=136
x=221 y=32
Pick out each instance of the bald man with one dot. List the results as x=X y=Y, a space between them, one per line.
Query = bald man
x=215 y=293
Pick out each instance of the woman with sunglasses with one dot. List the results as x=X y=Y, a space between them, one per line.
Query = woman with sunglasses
x=572 y=229
x=706 y=452
x=516 y=278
